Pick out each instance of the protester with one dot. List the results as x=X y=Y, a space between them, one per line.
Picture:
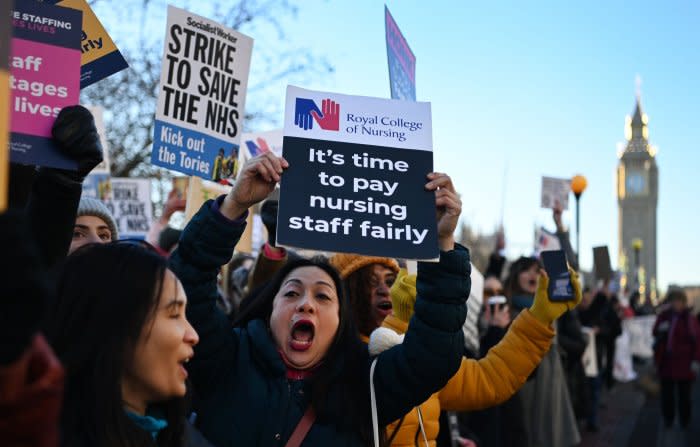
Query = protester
x=367 y=281
x=296 y=356
x=118 y=325
x=591 y=316
x=545 y=405
x=55 y=193
x=93 y=224
x=677 y=357
x=271 y=257
x=477 y=384
x=31 y=377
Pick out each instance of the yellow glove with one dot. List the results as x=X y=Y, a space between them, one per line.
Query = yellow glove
x=547 y=311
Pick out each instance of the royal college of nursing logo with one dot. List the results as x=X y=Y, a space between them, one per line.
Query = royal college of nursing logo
x=306 y=112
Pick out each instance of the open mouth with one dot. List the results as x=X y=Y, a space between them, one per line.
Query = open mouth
x=183 y=364
x=302 y=335
x=385 y=307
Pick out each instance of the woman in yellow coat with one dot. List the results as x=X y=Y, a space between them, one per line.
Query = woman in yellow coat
x=481 y=383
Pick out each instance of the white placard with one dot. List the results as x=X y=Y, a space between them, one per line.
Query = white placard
x=358 y=119
x=131 y=206
x=555 y=190
x=201 y=96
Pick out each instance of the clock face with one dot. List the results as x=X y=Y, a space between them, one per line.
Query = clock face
x=636 y=183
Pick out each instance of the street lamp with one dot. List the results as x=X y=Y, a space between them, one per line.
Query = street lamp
x=578 y=185
x=637 y=245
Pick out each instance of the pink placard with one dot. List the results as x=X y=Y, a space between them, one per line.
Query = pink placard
x=38 y=92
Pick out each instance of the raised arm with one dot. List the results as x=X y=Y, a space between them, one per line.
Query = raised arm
x=206 y=244
x=432 y=349
x=506 y=367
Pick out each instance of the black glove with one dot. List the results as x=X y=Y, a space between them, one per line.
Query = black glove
x=268 y=214
x=76 y=136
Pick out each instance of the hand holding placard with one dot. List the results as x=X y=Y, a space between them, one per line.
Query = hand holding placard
x=449 y=207
x=256 y=181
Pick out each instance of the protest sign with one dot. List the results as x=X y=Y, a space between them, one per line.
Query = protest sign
x=4 y=100
x=199 y=191
x=641 y=338
x=555 y=190
x=545 y=241
x=98 y=185
x=256 y=143
x=589 y=359
x=45 y=77
x=100 y=57
x=623 y=371
x=402 y=62
x=601 y=263
x=131 y=206
x=357 y=175
x=201 y=97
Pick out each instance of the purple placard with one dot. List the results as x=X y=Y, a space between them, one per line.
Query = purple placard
x=402 y=62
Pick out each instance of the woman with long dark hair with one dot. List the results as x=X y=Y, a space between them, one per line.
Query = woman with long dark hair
x=118 y=326
x=294 y=368
x=544 y=400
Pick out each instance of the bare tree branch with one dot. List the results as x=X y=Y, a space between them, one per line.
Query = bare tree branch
x=129 y=97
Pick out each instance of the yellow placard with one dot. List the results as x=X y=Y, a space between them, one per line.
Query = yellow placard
x=95 y=43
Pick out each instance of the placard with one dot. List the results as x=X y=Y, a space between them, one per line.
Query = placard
x=256 y=143
x=601 y=263
x=357 y=175
x=402 y=62
x=199 y=191
x=98 y=185
x=100 y=57
x=131 y=206
x=555 y=190
x=45 y=77
x=545 y=241
x=201 y=98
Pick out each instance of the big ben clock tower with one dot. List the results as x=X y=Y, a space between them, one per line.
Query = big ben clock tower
x=637 y=196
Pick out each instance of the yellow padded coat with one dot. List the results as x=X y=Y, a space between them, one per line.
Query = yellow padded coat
x=480 y=383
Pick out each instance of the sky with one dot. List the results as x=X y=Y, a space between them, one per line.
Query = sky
x=525 y=89
x=521 y=90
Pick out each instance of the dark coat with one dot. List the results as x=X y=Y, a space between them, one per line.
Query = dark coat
x=245 y=398
x=673 y=359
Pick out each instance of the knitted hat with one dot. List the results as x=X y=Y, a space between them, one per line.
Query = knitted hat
x=92 y=207
x=347 y=263
x=403 y=296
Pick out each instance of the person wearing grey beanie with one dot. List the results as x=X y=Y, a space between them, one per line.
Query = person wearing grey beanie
x=93 y=224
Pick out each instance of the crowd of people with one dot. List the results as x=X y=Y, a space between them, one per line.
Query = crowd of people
x=111 y=342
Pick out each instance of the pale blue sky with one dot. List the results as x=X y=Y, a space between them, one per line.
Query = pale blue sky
x=543 y=87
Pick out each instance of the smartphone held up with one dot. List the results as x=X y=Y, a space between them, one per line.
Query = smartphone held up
x=560 y=288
